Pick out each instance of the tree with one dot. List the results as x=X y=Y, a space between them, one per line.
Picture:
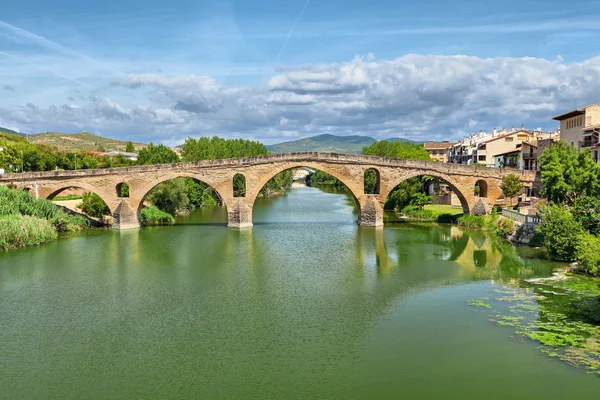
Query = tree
x=560 y=231
x=511 y=185
x=170 y=196
x=129 y=148
x=157 y=154
x=420 y=200
x=93 y=205
x=586 y=211
x=567 y=175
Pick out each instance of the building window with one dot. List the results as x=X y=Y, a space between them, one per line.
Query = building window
x=481 y=158
x=572 y=144
x=508 y=139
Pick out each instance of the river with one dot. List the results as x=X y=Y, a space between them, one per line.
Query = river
x=306 y=304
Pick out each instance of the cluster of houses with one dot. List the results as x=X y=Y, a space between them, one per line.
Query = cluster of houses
x=520 y=148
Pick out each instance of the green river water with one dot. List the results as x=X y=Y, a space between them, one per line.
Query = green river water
x=305 y=305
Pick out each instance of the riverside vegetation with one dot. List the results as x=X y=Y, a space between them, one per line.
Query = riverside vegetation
x=27 y=221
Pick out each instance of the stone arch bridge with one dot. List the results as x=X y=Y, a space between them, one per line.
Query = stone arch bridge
x=349 y=169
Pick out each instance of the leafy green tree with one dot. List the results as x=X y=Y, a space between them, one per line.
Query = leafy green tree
x=93 y=205
x=420 y=200
x=588 y=253
x=511 y=185
x=170 y=196
x=129 y=148
x=215 y=148
x=560 y=232
x=157 y=154
x=567 y=175
x=586 y=211
x=370 y=183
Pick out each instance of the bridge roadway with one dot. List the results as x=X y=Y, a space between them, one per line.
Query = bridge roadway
x=349 y=168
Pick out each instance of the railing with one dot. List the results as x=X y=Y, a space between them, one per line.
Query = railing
x=522 y=218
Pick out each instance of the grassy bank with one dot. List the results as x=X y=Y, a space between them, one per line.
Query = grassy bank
x=27 y=221
x=429 y=213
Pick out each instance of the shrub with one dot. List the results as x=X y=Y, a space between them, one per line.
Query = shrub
x=561 y=232
x=19 y=231
x=153 y=216
x=420 y=200
x=471 y=221
x=65 y=222
x=504 y=227
x=417 y=213
x=93 y=205
x=588 y=253
x=587 y=212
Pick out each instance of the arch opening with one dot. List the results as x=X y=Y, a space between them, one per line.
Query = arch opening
x=372 y=181
x=425 y=197
x=179 y=196
x=122 y=190
x=319 y=176
x=480 y=189
x=239 y=185
x=82 y=201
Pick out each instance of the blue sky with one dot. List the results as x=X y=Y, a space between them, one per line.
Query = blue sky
x=279 y=70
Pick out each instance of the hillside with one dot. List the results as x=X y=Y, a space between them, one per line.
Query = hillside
x=80 y=141
x=326 y=143
x=6 y=130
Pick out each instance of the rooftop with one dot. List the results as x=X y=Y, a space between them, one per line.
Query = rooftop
x=573 y=113
x=431 y=145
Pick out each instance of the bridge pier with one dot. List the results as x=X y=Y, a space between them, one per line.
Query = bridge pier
x=371 y=212
x=239 y=215
x=125 y=216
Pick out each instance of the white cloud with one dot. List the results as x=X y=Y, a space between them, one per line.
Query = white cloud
x=416 y=96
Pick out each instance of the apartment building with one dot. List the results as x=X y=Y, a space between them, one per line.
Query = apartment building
x=438 y=150
x=516 y=148
x=580 y=128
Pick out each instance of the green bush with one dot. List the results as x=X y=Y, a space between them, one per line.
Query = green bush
x=420 y=200
x=153 y=216
x=418 y=213
x=586 y=211
x=19 y=231
x=588 y=253
x=504 y=227
x=561 y=232
x=93 y=205
x=65 y=222
x=471 y=221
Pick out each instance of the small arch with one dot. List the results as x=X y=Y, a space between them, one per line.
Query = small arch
x=480 y=189
x=96 y=206
x=371 y=181
x=122 y=190
x=239 y=185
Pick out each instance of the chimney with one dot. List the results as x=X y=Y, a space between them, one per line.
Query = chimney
x=512 y=129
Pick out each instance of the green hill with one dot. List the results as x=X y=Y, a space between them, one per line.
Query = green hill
x=327 y=143
x=6 y=130
x=82 y=141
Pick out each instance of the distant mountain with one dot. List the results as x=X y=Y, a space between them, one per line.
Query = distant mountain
x=327 y=143
x=82 y=141
x=6 y=130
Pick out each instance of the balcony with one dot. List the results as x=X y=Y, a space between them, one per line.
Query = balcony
x=530 y=156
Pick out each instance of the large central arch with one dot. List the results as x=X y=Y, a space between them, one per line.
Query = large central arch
x=262 y=181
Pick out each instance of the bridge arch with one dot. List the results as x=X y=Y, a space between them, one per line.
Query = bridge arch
x=109 y=199
x=141 y=193
x=355 y=186
x=461 y=192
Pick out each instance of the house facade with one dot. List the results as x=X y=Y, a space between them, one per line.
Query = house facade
x=580 y=128
x=438 y=150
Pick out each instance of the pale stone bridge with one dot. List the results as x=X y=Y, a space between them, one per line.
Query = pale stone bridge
x=349 y=169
